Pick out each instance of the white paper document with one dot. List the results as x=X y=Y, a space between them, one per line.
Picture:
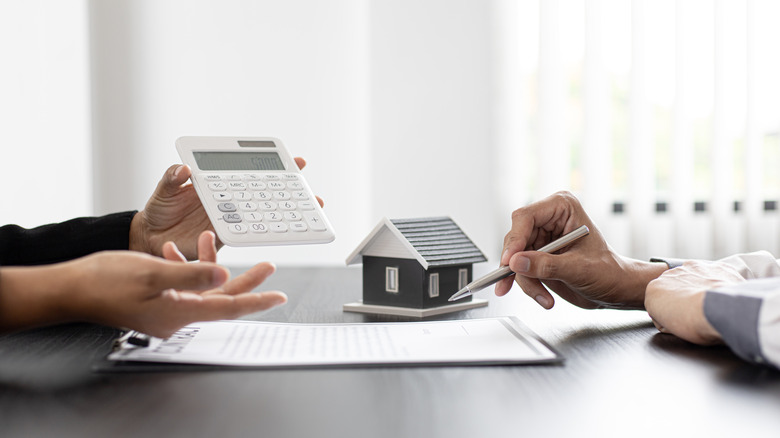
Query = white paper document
x=264 y=344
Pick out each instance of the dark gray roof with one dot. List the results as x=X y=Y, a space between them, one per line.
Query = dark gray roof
x=439 y=240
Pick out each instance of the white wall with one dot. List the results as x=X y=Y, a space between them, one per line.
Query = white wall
x=45 y=156
x=431 y=111
x=294 y=70
x=389 y=101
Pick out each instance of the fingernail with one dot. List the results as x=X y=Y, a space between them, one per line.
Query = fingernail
x=281 y=299
x=522 y=264
x=543 y=301
x=505 y=256
x=177 y=172
x=219 y=277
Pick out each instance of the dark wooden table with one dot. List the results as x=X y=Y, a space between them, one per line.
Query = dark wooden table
x=620 y=378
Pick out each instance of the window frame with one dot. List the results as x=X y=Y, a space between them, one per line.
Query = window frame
x=391 y=273
x=431 y=277
x=463 y=278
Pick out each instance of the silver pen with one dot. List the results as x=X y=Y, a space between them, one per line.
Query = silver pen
x=504 y=271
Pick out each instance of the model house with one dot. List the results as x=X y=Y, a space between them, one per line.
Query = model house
x=412 y=266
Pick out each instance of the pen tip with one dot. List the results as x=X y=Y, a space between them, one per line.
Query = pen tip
x=458 y=295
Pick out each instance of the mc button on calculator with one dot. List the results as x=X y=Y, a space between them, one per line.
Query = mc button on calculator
x=253 y=191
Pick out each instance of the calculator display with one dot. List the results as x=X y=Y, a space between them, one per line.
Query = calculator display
x=238 y=160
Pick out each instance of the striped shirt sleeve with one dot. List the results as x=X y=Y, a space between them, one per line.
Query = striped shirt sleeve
x=747 y=316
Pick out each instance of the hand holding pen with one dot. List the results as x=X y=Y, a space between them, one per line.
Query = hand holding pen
x=505 y=271
x=588 y=273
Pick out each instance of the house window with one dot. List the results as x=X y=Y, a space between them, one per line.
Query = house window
x=391 y=279
x=463 y=278
x=433 y=285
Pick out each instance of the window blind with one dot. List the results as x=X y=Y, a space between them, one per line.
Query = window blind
x=662 y=116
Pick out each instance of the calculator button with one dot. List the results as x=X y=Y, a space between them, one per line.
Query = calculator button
x=211 y=177
x=237 y=185
x=219 y=185
x=281 y=196
x=253 y=217
x=226 y=207
x=263 y=196
x=290 y=176
x=287 y=205
x=258 y=228
x=233 y=177
x=242 y=196
x=272 y=177
x=273 y=216
x=279 y=227
x=292 y=215
x=251 y=177
x=267 y=206
x=275 y=185
x=298 y=226
x=223 y=196
x=257 y=185
x=300 y=196
x=315 y=221
x=295 y=185
x=306 y=205
x=247 y=206
x=232 y=217
x=237 y=228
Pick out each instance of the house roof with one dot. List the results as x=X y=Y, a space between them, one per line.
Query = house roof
x=432 y=241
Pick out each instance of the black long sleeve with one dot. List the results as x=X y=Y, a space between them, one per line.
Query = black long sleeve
x=68 y=240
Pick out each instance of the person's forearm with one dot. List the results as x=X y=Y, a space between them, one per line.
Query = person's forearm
x=138 y=241
x=33 y=296
x=638 y=274
x=54 y=243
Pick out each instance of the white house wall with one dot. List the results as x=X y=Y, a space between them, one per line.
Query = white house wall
x=387 y=244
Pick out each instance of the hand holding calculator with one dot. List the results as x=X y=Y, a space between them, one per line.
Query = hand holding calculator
x=253 y=192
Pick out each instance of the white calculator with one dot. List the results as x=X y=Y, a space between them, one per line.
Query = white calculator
x=253 y=191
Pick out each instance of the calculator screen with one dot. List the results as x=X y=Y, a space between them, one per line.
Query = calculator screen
x=238 y=160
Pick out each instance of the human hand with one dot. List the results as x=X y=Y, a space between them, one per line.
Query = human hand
x=588 y=273
x=675 y=300
x=174 y=213
x=163 y=312
x=132 y=290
